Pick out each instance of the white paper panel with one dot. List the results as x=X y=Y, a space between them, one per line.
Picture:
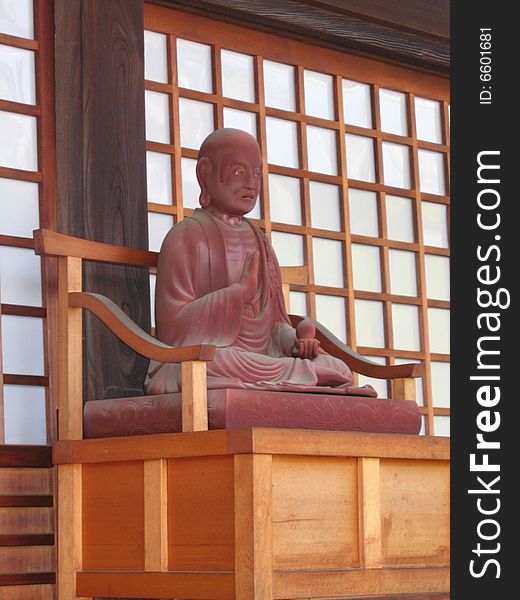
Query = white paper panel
x=24 y=415
x=328 y=262
x=428 y=120
x=240 y=119
x=17 y=75
x=380 y=385
x=285 y=200
x=18 y=141
x=441 y=426
x=403 y=278
x=418 y=380
x=440 y=384
x=399 y=218
x=431 y=172
x=437 y=276
x=159 y=177
x=282 y=143
x=196 y=122
x=319 y=95
x=238 y=76
x=155 y=57
x=19 y=208
x=393 y=112
x=360 y=158
x=396 y=165
x=279 y=85
x=357 y=105
x=363 y=212
x=190 y=185
x=153 y=281
x=157 y=114
x=369 y=323
x=366 y=266
x=405 y=319
x=330 y=311
x=439 y=329
x=322 y=150
x=158 y=227
x=194 y=70
x=16 y=18
x=325 y=211
x=288 y=248
x=20 y=276
x=298 y=303
x=435 y=224
x=22 y=345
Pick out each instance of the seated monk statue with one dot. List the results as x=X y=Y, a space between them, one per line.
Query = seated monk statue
x=218 y=282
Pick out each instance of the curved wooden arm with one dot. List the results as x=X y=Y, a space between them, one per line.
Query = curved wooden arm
x=358 y=363
x=133 y=336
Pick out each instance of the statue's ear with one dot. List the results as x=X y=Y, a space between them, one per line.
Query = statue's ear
x=203 y=170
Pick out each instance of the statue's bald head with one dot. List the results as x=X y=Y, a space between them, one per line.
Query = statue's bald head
x=227 y=138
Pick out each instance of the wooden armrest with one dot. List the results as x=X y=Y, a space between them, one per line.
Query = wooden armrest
x=358 y=363
x=51 y=243
x=133 y=336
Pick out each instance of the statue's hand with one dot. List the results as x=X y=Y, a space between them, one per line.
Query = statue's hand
x=248 y=279
x=307 y=348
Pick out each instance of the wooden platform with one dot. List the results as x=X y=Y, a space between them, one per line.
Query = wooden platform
x=257 y=514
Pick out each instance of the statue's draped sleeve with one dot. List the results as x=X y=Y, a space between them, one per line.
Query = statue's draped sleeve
x=187 y=310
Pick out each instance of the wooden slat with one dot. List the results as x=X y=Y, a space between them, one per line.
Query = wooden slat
x=261 y=441
x=369 y=512
x=37 y=380
x=26 y=520
x=155 y=515
x=253 y=527
x=51 y=243
x=26 y=579
x=295 y=275
x=126 y=330
x=36 y=539
x=18 y=42
x=32 y=501
x=196 y=586
x=194 y=396
x=28 y=592
x=26 y=480
x=27 y=559
x=305 y=584
x=25 y=456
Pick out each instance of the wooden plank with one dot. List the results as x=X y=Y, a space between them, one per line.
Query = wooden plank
x=35 y=500
x=25 y=480
x=194 y=396
x=196 y=586
x=315 y=513
x=28 y=592
x=415 y=516
x=27 y=539
x=27 y=559
x=201 y=514
x=101 y=172
x=113 y=516
x=25 y=456
x=27 y=579
x=253 y=527
x=369 y=512
x=26 y=520
x=155 y=515
x=70 y=335
x=295 y=275
x=69 y=528
x=340 y=584
x=258 y=441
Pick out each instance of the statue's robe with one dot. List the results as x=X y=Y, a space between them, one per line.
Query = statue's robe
x=199 y=300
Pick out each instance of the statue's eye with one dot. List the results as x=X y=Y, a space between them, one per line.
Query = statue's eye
x=238 y=171
x=257 y=173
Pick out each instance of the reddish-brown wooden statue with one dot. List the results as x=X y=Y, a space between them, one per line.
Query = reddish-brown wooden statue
x=218 y=282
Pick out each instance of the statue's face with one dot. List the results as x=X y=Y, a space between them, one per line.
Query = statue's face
x=235 y=177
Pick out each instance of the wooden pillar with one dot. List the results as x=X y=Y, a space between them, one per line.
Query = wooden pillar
x=369 y=500
x=253 y=527
x=101 y=168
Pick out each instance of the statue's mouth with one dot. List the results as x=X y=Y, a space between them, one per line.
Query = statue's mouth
x=248 y=196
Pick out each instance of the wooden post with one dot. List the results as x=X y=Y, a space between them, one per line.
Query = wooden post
x=70 y=372
x=369 y=513
x=404 y=389
x=286 y=291
x=194 y=396
x=70 y=427
x=155 y=515
x=253 y=527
